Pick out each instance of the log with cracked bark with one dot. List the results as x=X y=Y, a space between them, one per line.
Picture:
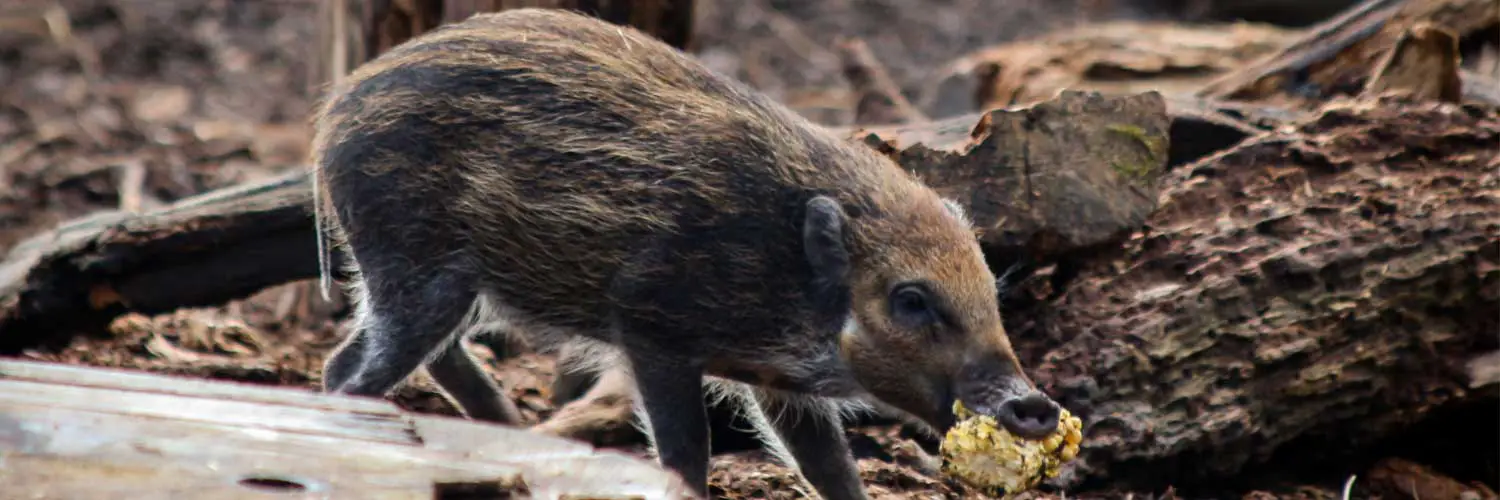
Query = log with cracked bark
x=1303 y=293
x=1120 y=58
x=1285 y=12
x=1339 y=56
x=1064 y=174
x=205 y=250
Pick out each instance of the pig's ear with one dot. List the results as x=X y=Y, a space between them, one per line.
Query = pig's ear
x=828 y=258
x=823 y=240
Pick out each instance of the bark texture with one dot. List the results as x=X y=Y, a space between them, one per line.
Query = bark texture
x=1119 y=57
x=1127 y=58
x=205 y=250
x=1069 y=173
x=1287 y=12
x=1338 y=57
x=1330 y=283
x=354 y=31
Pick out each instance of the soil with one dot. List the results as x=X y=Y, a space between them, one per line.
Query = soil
x=145 y=102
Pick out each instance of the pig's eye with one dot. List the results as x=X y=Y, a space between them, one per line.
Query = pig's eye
x=910 y=305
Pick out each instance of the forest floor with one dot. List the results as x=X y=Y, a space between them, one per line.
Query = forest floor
x=146 y=102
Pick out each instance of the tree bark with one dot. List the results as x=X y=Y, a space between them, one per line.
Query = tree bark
x=354 y=31
x=1065 y=174
x=1338 y=57
x=1283 y=12
x=1125 y=58
x=1298 y=296
x=1422 y=64
x=1115 y=58
x=205 y=250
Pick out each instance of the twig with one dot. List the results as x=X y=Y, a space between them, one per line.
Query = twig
x=59 y=24
x=54 y=23
x=790 y=33
x=132 y=185
x=878 y=100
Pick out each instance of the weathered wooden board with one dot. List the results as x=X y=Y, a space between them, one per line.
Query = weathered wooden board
x=70 y=432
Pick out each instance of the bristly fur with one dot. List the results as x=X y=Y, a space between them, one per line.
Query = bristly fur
x=546 y=173
x=325 y=258
x=1014 y=275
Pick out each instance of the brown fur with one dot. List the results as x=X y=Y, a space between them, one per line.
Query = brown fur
x=574 y=179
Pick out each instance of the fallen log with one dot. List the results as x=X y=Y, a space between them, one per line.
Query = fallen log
x=1113 y=58
x=1293 y=299
x=1202 y=127
x=1124 y=58
x=201 y=251
x=1423 y=64
x=1068 y=173
x=1338 y=57
x=1064 y=174
x=1399 y=479
x=1282 y=12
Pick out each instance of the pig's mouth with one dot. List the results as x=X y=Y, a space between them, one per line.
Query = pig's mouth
x=985 y=388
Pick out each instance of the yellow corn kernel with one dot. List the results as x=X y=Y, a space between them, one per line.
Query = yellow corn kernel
x=986 y=456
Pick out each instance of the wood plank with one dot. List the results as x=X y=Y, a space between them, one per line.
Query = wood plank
x=280 y=418
x=66 y=453
x=145 y=382
x=77 y=432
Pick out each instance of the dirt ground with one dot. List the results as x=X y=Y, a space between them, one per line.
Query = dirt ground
x=144 y=102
